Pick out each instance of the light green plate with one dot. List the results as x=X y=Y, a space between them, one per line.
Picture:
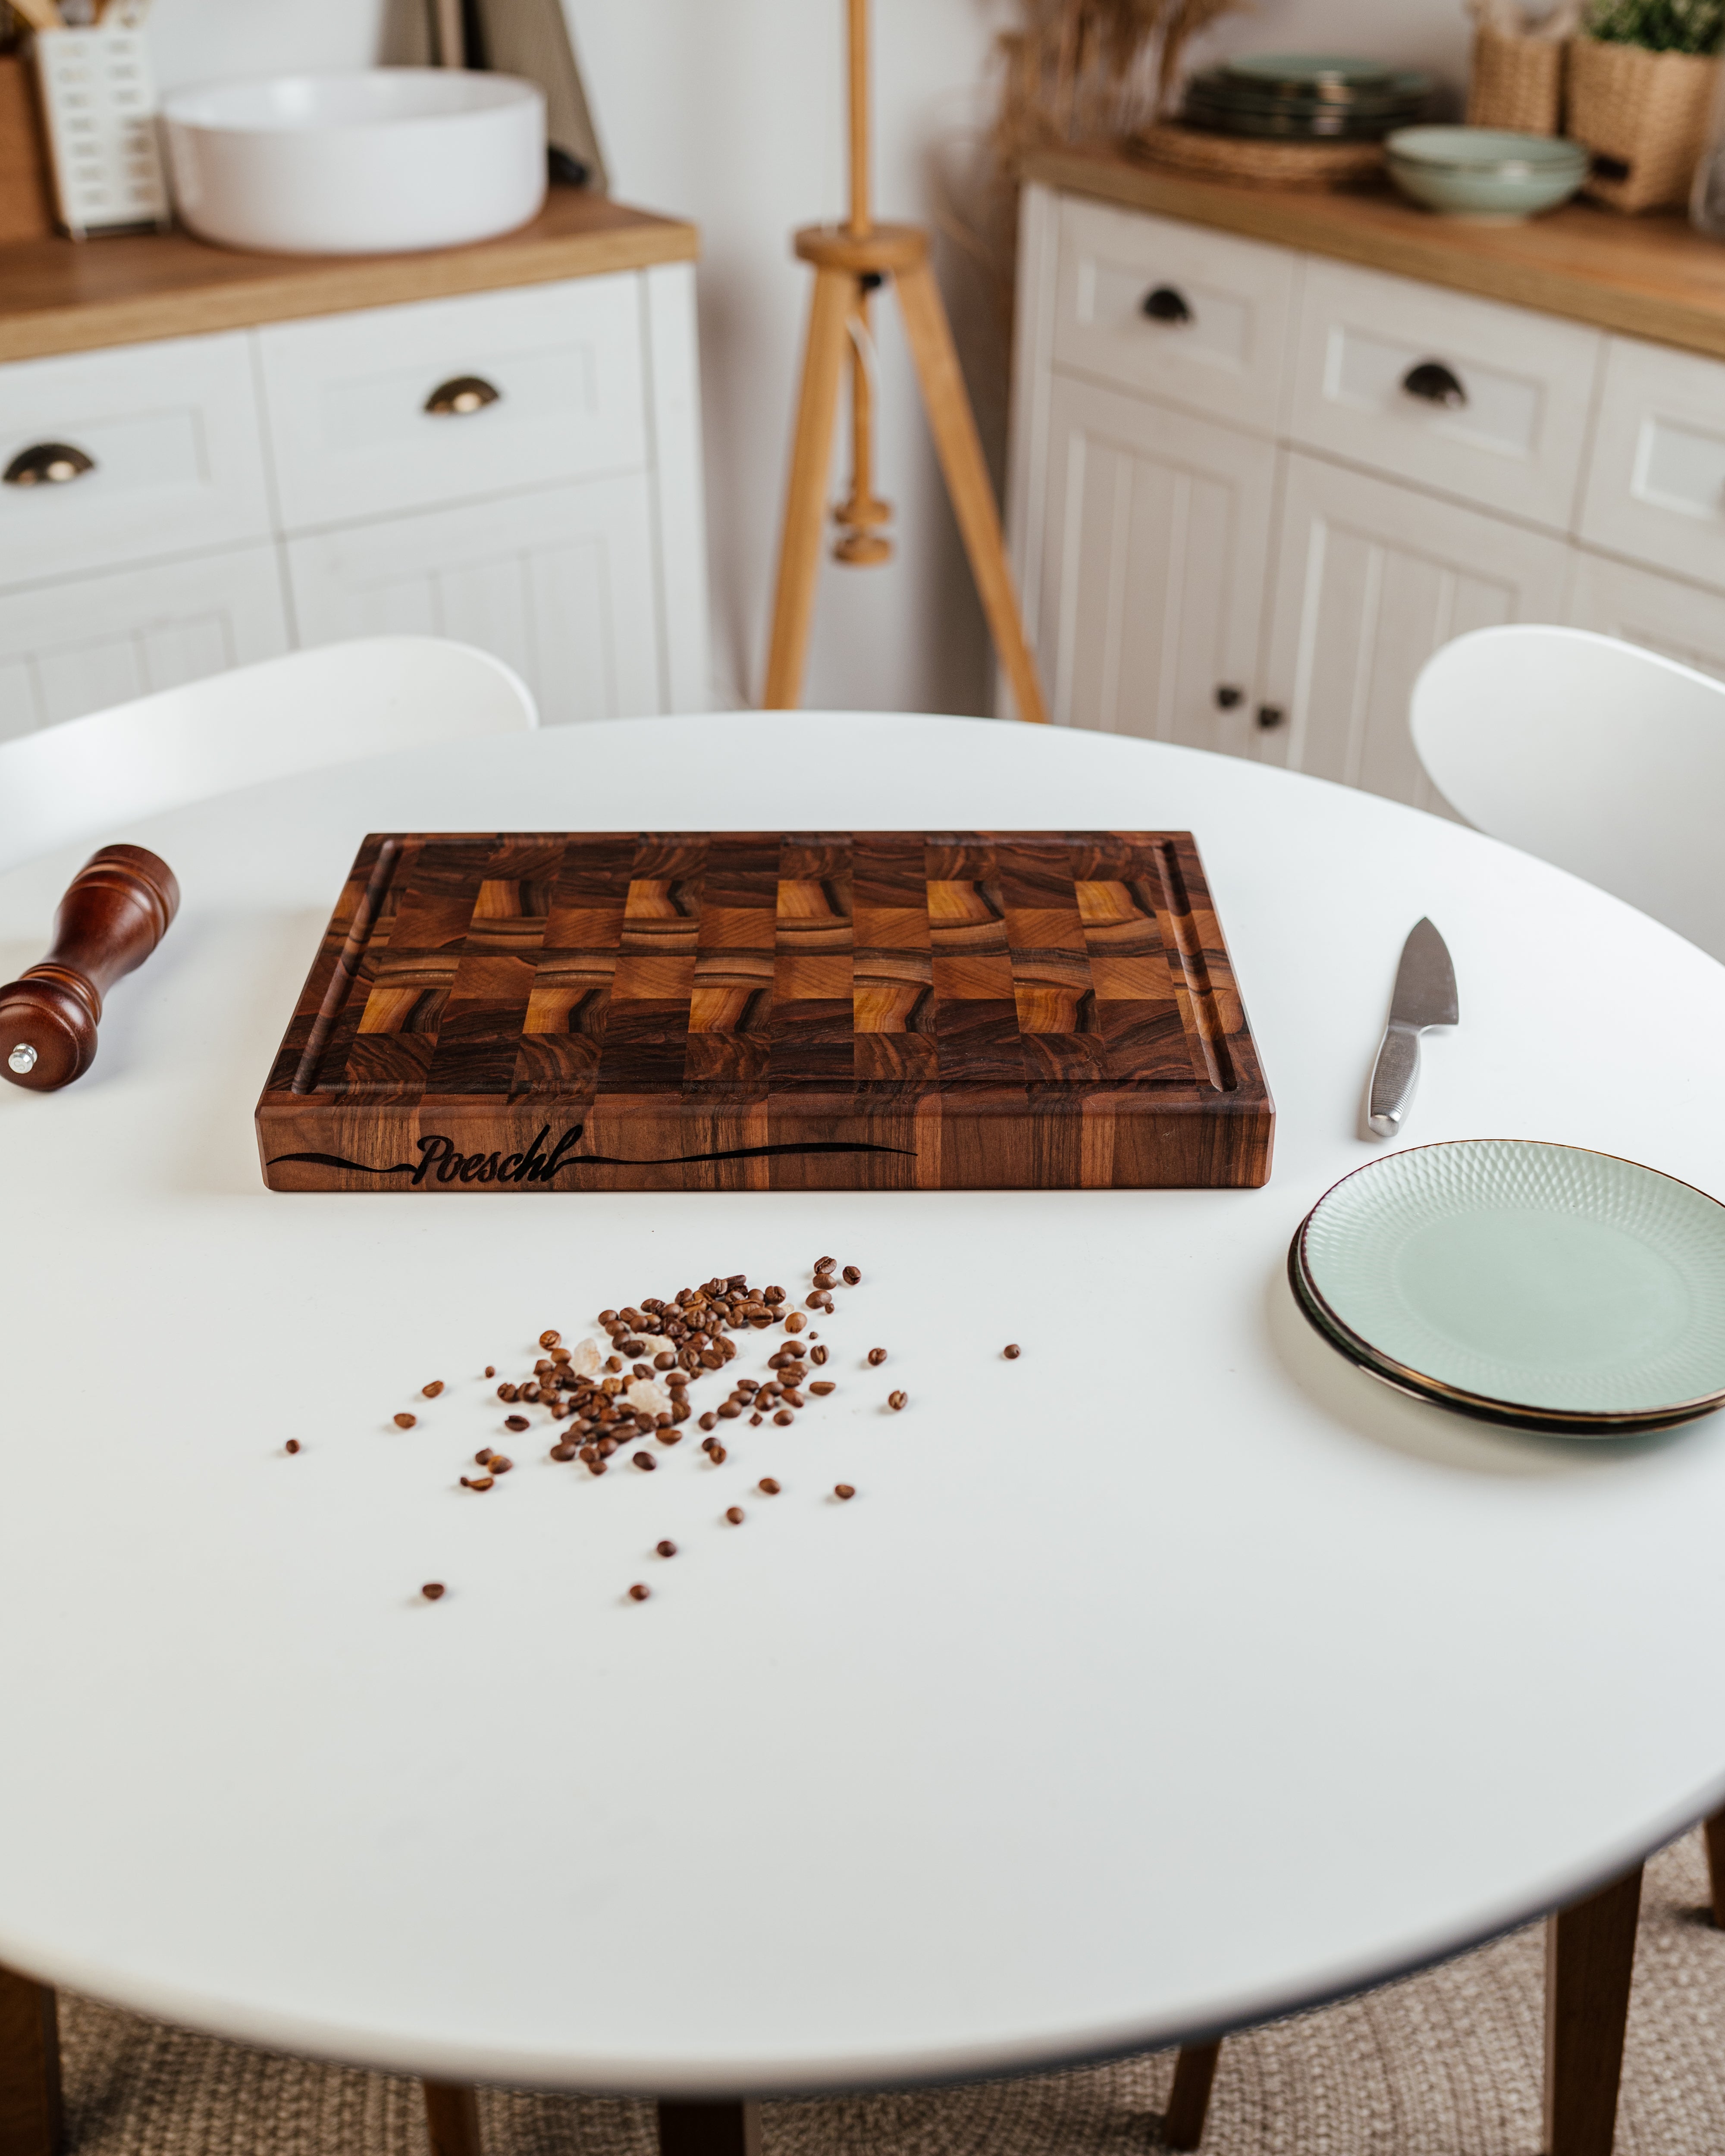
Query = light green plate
x=1541 y=1282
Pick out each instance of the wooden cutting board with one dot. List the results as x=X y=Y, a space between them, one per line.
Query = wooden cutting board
x=769 y=1011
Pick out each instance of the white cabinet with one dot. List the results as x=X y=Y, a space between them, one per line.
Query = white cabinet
x=72 y=647
x=1656 y=488
x=1157 y=527
x=558 y=582
x=1676 y=619
x=1373 y=577
x=287 y=484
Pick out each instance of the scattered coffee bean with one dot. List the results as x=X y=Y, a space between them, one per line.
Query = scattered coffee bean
x=844 y=1489
x=755 y=1422
x=815 y=1301
x=896 y=1400
x=793 y=1398
x=734 y=1514
x=795 y=1321
x=729 y=1411
x=718 y=1454
x=664 y=1361
x=670 y=1436
x=708 y=1422
x=613 y=1363
x=784 y=1418
x=850 y=1277
x=293 y=1444
x=490 y=1369
x=822 y=1386
x=562 y=1452
x=499 y=1463
x=638 y=1592
x=432 y=1389
x=666 y=1549
x=595 y=1466
x=824 y=1265
x=506 y=1391
x=514 y=1422
x=644 y=1460
x=766 y=1487
x=482 y=1458
x=772 y=1294
x=432 y=1590
x=405 y=1421
x=549 y=1339
x=877 y=1356
x=1012 y=1352
x=817 y=1354
x=608 y=1318
x=476 y=1483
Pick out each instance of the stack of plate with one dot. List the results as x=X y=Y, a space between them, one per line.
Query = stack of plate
x=1539 y=1286
x=1305 y=97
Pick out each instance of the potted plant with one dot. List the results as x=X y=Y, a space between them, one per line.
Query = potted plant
x=1641 y=78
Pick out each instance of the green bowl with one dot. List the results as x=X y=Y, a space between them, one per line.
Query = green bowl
x=1485 y=172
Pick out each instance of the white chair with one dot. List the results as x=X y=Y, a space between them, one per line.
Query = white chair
x=333 y=704
x=1603 y=758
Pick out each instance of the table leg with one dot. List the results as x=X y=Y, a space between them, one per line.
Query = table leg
x=709 y=2129
x=1189 y=2101
x=1589 y=1959
x=1715 y=1832
x=31 y=2123
x=451 y=2119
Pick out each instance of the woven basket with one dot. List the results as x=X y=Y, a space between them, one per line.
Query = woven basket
x=1516 y=83
x=1645 y=117
x=1317 y=167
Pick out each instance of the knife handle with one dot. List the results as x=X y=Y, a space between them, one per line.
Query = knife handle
x=1395 y=1076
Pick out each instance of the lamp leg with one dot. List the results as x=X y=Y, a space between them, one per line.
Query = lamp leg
x=805 y=509
x=960 y=450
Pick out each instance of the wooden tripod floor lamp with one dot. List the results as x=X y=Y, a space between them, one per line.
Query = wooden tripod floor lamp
x=851 y=262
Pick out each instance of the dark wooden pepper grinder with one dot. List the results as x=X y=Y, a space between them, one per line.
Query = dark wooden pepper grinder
x=117 y=909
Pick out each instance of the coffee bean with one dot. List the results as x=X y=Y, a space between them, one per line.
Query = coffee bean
x=716 y=1453
x=844 y=1489
x=432 y=1389
x=293 y=1444
x=608 y=1318
x=793 y=1398
x=815 y=1301
x=595 y=1466
x=850 y=1277
x=784 y=1418
x=767 y=1486
x=482 y=1457
x=822 y=1386
x=506 y=1391
x=1012 y=1353
x=478 y=1482
x=895 y=1401
x=514 y=1422
x=877 y=1356
x=638 y=1592
x=499 y=1463
x=795 y=1321
x=549 y=1339
x=664 y=1361
x=666 y=1549
x=613 y=1363
x=735 y=1516
x=824 y=1265
x=708 y=1422
x=405 y=1421
x=562 y=1452
x=490 y=1369
x=772 y=1294
x=729 y=1410
x=817 y=1355
x=644 y=1460
x=670 y=1436
x=432 y=1590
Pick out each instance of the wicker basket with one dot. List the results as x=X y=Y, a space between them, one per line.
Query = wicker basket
x=1516 y=83
x=1645 y=117
x=1318 y=168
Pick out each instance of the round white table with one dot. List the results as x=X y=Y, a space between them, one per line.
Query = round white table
x=1166 y=1678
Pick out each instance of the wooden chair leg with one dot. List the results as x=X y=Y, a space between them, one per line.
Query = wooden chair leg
x=1589 y=1961
x=960 y=451
x=805 y=507
x=1189 y=2102
x=452 y=2118
x=1715 y=1832
x=709 y=2129
x=31 y=2123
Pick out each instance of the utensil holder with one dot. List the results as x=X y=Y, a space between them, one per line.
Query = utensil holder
x=99 y=107
x=1516 y=83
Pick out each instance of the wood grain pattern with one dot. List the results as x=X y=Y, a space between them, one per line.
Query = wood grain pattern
x=31 y=2118
x=769 y=1010
x=1590 y=1959
x=1650 y=277
x=58 y=296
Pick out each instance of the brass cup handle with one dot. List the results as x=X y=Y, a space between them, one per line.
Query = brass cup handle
x=1436 y=384
x=1167 y=303
x=458 y=399
x=48 y=464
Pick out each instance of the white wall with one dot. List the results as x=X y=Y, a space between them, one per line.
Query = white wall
x=729 y=112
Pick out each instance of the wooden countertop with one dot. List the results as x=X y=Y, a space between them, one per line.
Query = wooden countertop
x=1653 y=277
x=59 y=296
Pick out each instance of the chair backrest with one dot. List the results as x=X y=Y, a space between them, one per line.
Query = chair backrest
x=331 y=704
x=1601 y=757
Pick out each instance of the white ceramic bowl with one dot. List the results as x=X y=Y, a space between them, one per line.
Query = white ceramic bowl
x=386 y=161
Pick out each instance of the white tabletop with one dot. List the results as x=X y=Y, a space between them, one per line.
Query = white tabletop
x=1167 y=1677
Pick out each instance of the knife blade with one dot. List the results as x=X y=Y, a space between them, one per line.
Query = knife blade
x=1425 y=995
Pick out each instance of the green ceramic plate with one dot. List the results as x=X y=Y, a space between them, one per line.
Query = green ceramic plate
x=1538 y=1283
x=1303 y=73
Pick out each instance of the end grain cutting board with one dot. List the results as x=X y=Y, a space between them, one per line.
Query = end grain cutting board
x=879 y=1010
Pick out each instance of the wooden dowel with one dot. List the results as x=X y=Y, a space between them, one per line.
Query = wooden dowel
x=451 y=34
x=861 y=214
x=805 y=512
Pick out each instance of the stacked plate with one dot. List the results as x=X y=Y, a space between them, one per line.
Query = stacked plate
x=1539 y=1286
x=1305 y=97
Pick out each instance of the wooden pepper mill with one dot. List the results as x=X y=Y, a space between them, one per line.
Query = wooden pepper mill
x=115 y=911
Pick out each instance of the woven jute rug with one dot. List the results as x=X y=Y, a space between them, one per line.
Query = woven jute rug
x=1446 y=2064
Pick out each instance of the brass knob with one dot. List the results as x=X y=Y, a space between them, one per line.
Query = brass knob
x=48 y=464
x=1433 y=380
x=456 y=399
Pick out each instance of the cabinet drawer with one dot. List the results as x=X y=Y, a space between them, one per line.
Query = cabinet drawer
x=1512 y=433
x=79 y=646
x=1674 y=619
x=1225 y=305
x=1655 y=483
x=350 y=433
x=171 y=433
x=559 y=582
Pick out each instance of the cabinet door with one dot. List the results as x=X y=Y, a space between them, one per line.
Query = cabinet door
x=558 y=582
x=82 y=645
x=1675 y=619
x=1156 y=529
x=1655 y=483
x=1373 y=577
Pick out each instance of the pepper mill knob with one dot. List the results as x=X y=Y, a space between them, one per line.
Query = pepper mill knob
x=117 y=909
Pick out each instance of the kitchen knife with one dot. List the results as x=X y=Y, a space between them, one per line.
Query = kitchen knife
x=1425 y=995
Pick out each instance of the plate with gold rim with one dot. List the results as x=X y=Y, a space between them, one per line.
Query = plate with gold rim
x=1545 y=1285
